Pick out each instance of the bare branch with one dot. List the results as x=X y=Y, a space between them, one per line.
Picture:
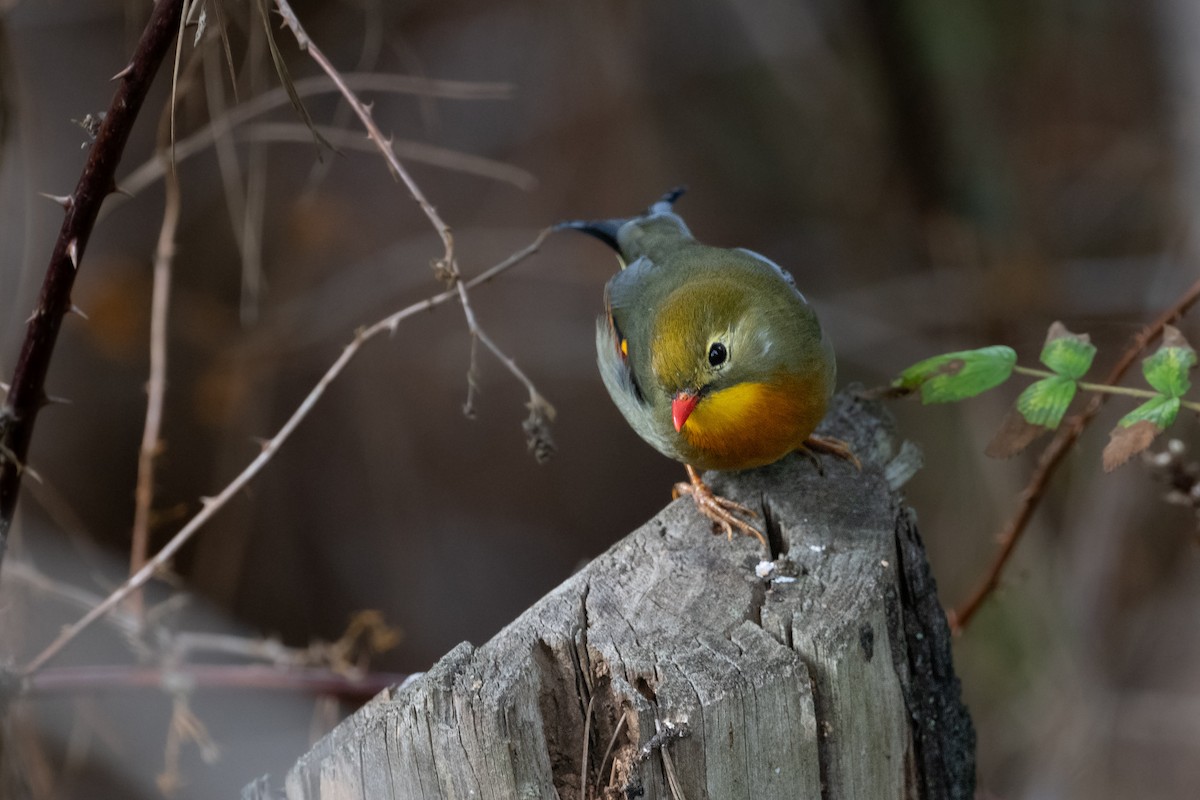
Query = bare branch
x=272 y=651
x=260 y=104
x=83 y=600
x=156 y=386
x=227 y=163
x=411 y=150
x=447 y=267
x=188 y=7
x=541 y=413
x=248 y=223
x=92 y=679
x=373 y=35
x=212 y=504
x=185 y=727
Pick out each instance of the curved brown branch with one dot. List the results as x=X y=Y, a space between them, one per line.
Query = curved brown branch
x=213 y=504
x=1053 y=455
x=27 y=392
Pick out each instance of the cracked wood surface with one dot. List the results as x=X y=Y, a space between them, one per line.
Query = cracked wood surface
x=667 y=668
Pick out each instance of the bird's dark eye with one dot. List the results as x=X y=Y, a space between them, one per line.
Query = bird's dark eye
x=717 y=354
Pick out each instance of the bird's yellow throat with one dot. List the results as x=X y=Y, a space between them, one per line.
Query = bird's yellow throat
x=750 y=424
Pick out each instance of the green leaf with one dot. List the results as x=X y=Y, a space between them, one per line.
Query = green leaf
x=1159 y=411
x=957 y=376
x=1167 y=369
x=1070 y=356
x=1045 y=402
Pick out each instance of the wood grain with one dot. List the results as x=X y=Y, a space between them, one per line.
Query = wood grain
x=669 y=661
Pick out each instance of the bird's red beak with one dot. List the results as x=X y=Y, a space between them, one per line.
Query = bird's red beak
x=682 y=406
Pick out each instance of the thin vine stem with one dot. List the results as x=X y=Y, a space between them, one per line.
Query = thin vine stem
x=1053 y=455
x=1105 y=388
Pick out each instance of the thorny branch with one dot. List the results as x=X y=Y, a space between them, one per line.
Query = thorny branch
x=1053 y=455
x=27 y=393
x=446 y=268
x=213 y=504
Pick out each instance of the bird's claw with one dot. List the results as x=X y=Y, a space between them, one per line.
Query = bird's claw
x=720 y=510
x=833 y=447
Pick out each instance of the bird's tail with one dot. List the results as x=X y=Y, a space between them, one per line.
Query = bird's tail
x=667 y=202
x=603 y=229
x=606 y=229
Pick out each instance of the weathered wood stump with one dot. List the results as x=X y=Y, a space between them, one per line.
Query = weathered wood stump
x=677 y=665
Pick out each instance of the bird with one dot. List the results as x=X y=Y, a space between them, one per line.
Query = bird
x=711 y=354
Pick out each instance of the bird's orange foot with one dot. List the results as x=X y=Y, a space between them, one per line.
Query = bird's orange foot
x=720 y=510
x=833 y=447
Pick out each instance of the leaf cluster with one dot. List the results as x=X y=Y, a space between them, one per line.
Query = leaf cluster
x=1040 y=408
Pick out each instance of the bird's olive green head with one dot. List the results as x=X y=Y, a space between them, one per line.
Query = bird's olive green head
x=707 y=337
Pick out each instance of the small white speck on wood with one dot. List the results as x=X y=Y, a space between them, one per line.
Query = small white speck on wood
x=836 y=685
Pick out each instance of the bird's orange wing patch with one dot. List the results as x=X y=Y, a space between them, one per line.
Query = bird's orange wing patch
x=618 y=337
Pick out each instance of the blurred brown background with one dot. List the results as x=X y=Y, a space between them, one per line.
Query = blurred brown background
x=937 y=174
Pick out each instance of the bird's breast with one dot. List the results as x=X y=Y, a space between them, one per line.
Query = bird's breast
x=754 y=423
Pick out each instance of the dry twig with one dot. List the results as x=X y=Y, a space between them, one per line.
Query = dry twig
x=319 y=668
x=212 y=504
x=260 y=104
x=446 y=268
x=156 y=385
x=422 y=152
x=185 y=727
x=312 y=680
x=245 y=233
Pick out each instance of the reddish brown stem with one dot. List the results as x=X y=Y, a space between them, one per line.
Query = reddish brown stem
x=27 y=392
x=65 y=680
x=1053 y=455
